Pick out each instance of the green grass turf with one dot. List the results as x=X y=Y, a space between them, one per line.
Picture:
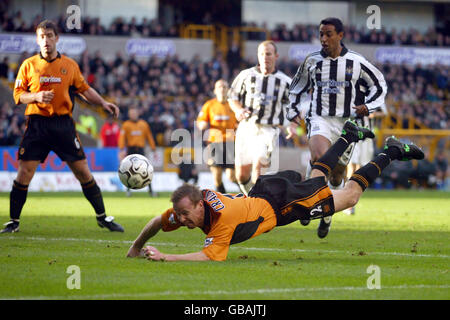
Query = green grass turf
x=406 y=234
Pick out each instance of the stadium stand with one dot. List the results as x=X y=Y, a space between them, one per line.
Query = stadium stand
x=170 y=91
x=13 y=22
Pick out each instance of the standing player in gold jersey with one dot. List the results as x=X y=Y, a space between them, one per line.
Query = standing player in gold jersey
x=275 y=200
x=45 y=82
x=218 y=116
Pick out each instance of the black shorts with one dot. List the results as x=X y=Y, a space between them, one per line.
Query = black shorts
x=221 y=154
x=293 y=199
x=45 y=134
x=135 y=150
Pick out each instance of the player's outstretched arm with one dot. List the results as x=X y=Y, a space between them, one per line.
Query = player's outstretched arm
x=93 y=97
x=150 y=230
x=151 y=253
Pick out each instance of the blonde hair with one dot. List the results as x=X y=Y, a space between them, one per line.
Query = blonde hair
x=266 y=42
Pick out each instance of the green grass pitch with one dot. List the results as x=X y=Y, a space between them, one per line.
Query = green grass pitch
x=405 y=234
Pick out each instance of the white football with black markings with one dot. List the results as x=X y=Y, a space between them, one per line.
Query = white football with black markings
x=135 y=171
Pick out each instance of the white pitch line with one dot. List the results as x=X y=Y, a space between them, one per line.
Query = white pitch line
x=417 y=255
x=223 y=292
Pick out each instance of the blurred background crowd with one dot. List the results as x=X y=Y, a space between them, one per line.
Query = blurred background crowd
x=170 y=91
x=298 y=33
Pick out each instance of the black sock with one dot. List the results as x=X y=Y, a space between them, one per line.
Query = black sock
x=17 y=199
x=393 y=153
x=221 y=188
x=367 y=174
x=150 y=190
x=330 y=159
x=93 y=194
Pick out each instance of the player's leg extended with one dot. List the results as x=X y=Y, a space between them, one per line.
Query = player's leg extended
x=231 y=174
x=325 y=165
x=217 y=177
x=93 y=194
x=394 y=149
x=350 y=133
x=364 y=176
x=244 y=177
x=318 y=146
x=19 y=191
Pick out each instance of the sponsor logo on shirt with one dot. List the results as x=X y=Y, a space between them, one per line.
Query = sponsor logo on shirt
x=221 y=117
x=46 y=80
x=172 y=219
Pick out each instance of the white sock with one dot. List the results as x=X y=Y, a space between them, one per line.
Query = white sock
x=246 y=187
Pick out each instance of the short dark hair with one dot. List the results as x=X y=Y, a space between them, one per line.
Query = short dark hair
x=186 y=190
x=48 y=24
x=337 y=23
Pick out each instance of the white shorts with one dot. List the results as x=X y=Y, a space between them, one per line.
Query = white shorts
x=330 y=128
x=363 y=152
x=255 y=142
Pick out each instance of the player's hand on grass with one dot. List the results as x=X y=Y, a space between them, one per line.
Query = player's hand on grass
x=111 y=108
x=151 y=253
x=44 y=96
x=134 y=252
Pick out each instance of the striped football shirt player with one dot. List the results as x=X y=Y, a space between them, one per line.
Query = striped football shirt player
x=335 y=85
x=264 y=96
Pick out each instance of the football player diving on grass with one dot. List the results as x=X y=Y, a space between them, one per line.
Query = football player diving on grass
x=275 y=200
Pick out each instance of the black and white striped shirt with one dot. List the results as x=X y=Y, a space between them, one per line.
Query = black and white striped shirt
x=362 y=92
x=265 y=96
x=335 y=85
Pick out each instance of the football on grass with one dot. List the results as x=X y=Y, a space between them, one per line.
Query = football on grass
x=135 y=171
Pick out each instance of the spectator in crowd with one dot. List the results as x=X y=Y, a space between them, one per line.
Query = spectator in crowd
x=188 y=172
x=397 y=175
x=109 y=133
x=425 y=172
x=441 y=164
x=4 y=66
x=87 y=124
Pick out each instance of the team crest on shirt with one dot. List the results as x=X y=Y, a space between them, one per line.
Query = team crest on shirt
x=349 y=71
x=172 y=219
x=63 y=71
x=22 y=151
x=208 y=242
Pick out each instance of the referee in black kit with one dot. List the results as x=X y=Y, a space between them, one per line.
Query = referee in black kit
x=335 y=75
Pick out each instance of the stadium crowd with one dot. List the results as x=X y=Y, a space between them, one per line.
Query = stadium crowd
x=170 y=92
x=14 y=22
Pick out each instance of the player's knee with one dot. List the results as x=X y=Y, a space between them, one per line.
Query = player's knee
x=336 y=180
x=25 y=174
x=241 y=177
